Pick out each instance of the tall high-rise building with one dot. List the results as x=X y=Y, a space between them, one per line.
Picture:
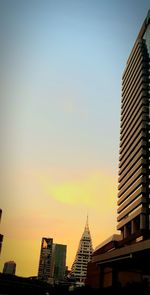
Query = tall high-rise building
x=125 y=258
x=59 y=262
x=134 y=164
x=9 y=267
x=83 y=256
x=45 y=262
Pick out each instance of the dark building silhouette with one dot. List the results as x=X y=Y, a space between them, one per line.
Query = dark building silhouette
x=59 y=262
x=1 y=236
x=45 y=262
x=52 y=262
x=9 y=267
x=124 y=258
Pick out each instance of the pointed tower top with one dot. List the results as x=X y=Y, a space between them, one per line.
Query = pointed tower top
x=86 y=232
x=83 y=255
x=87 y=222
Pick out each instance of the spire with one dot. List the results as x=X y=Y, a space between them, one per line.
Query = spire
x=83 y=255
x=87 y=222
x=86 y=232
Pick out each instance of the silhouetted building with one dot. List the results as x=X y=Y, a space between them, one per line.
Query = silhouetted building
x=52 y=263
x=45 y=262
x=1 y=236
x=83 y=256
x=9 y=267
x=59 y=262
x=125 y=259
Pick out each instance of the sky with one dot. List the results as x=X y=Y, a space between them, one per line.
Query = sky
x=61 y=67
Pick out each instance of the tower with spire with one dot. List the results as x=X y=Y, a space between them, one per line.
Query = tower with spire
x=83 y=255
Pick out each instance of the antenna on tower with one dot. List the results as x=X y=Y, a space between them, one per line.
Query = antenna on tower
x=87 y=221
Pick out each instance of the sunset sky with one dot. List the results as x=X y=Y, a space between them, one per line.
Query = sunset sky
x=61 y=68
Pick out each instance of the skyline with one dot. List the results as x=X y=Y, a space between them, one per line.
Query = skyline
x=61 y=143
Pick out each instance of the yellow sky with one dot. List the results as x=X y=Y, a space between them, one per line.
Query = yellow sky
x=55 y=204
x=61 y=66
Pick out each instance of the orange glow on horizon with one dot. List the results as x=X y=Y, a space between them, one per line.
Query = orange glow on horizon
x=55 y=204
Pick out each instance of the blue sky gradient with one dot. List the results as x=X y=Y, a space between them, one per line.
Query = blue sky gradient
x=61 y=68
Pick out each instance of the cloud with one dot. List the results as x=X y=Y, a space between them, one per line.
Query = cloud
x=93 y=189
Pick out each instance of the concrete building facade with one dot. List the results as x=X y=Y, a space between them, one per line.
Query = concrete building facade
x=134 y=171
x=124 y=259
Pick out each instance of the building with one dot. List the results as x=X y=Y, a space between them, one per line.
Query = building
x=45 y=262
x=83 y=256
x=125 y=259
x=134 y=171
x=52 y=263
x=9 y=267
x=1 y=236
x=59 y=262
